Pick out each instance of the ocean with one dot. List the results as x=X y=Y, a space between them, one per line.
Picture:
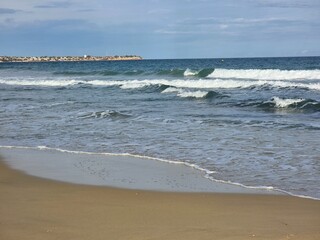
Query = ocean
x=248 y=121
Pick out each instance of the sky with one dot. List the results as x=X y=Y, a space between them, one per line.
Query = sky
x=157 y=29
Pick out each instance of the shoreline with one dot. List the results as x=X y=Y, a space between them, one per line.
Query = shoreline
x=36 y=208
x=164 y=175
x=85 y=58
x=124 y=171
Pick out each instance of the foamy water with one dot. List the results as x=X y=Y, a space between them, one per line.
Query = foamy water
x=180 y=83
x=266 y=74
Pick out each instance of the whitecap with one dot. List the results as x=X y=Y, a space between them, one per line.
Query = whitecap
x=283 y=103
x=188 y=72
x=186 y=93
x=266 y=74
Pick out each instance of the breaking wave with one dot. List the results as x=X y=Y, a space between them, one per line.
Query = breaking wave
x=179 y=83
x=291 y=104
x=283 y=103
x=203 y=73
x=200 y=73
x=266 y=74
x=180 y=92
x=104 y=114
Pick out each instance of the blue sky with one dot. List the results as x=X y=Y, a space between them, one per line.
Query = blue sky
x=161 y=28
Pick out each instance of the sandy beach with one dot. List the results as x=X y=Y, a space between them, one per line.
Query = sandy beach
x=36 y=208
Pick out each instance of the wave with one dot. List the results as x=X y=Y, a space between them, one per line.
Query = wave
x=179 y=83
x=186 y=94
x=265 y=74
x=203 y=84
x=218 y=73
x=170 y=72
x=180 y=92
x=175 y=72
x=283 y=103
x=104 y=114
x=42 y=83
x=291 y=104
x=151 y=88
x=203 y=73
x=101 y=73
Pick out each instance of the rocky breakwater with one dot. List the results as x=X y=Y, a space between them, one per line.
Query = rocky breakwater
x=68 y=58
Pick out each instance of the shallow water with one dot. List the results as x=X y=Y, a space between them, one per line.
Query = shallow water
x=118 y=170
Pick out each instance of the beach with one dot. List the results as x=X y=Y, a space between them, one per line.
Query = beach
x=36 y=208
x=212 y=134
x=160 y=149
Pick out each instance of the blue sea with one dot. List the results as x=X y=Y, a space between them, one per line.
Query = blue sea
x=248 y=121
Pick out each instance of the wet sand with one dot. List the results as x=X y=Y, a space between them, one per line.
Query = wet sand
x=117 y=170
x=36 y=208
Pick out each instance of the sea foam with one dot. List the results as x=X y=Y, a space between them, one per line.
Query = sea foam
x=266 y=74
x=283 y=103
x=178 y=83
x=186 y=93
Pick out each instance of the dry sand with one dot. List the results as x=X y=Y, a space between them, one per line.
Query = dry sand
x=35 y=208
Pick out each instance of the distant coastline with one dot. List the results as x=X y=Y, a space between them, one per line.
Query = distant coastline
x=68 y=58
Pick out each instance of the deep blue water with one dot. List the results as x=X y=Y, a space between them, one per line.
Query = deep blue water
x=253 y=121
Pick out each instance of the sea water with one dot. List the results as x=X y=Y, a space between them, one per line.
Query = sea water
x=252 y=121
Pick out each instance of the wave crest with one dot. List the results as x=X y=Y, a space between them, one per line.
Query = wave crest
x=180 y=92
x=178 y=83
x=203 y=73
x=266 y=74
x=175 y=72
x=299 y=104
x=104 y=114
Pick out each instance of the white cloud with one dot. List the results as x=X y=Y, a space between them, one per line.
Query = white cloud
x=223 y=26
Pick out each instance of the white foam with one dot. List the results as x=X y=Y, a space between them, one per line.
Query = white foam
x=41 y=83
x=266 y=74
x=179 y=83
x=134 y=84
x=194 y=94
x=101 y=114
x=283 y=103
x=186 y=93
x=188 y=72
x=206 y=83
x=170 y=90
